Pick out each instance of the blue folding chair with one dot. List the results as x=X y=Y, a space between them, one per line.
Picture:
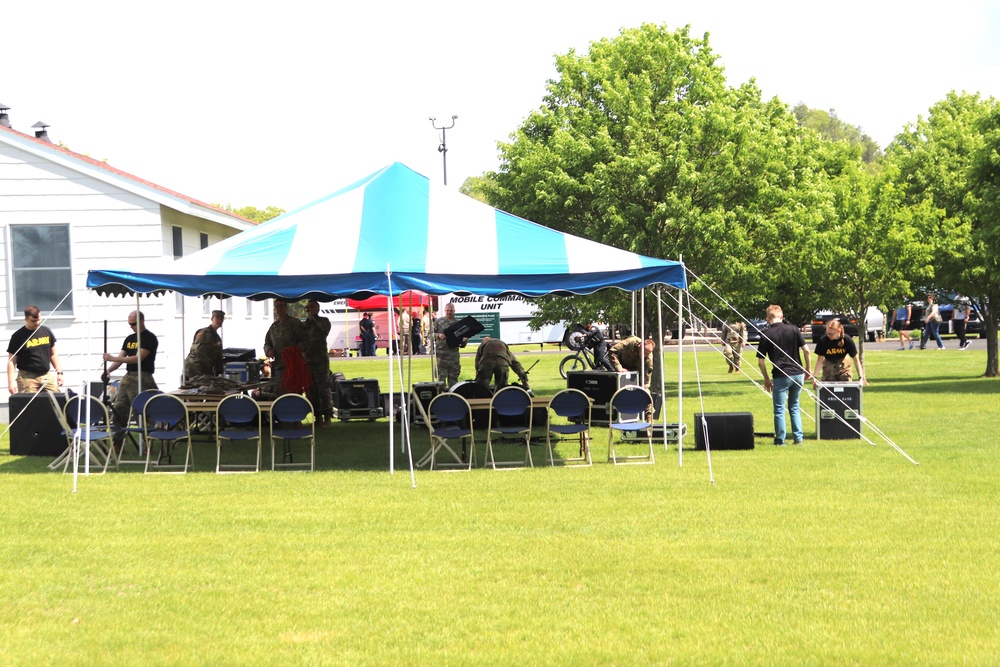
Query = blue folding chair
x=450 y=418
x=631 y=404
x=288 y=417
x=510 y=404
x=165 y=423
x=238 y=421
x=572 y=406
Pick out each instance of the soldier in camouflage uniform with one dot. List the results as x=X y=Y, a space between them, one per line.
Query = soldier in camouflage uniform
x=449 y=360
x=317 y=354
x=627 y=355
x=205 y=356
x=735 y=337
x=494 y=361
x=283 y=333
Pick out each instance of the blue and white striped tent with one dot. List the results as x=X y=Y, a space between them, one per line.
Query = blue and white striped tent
x=394 y=225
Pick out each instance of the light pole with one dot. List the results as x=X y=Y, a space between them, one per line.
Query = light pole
x=443 y=148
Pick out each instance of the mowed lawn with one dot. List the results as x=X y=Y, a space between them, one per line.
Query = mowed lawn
x=831 y=553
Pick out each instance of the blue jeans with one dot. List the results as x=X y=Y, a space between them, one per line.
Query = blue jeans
x=931 y=329
x=787 y=389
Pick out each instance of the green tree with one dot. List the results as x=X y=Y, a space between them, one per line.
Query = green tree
x=640 y=144
x=253 y=213
x=985 y=232
x=936 y=157
x=832 y=128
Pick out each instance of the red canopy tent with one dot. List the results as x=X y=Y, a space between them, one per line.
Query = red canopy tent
x=407 y=299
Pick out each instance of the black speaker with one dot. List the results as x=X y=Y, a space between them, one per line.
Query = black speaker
x=356 y=394
x=34 y=429
x=726 y=430
x=836 y=401
x=600 y=386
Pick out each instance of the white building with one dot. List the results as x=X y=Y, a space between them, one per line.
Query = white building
x=62 y=214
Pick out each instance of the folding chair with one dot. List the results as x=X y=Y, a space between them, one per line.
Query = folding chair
x=574 y=406
x=165 y=422
x=238 y=420
x=288 y=415
x=97 y=430
x=450 y=418
x=510 y=403
x=631 y=403
x=133 y=429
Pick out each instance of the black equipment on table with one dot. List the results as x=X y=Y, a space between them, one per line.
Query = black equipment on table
x=467 y=327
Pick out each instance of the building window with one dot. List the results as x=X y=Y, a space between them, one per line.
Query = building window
x=178 y=242
x=40 y=268
x=204 y=240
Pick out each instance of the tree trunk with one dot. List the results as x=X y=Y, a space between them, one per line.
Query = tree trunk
x=990 y=324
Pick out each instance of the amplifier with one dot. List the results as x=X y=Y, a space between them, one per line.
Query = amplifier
x=726 y=430
x=34 y=428
x=836 y=401
x=358 y=398
x=600 y=386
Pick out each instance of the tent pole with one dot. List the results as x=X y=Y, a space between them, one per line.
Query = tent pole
x=680 y=373
x=663 y=375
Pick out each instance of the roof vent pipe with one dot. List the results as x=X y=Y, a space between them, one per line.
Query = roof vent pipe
x=4 y=118
x=40 y=133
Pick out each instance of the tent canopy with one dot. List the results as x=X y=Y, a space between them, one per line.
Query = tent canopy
x=393 y=225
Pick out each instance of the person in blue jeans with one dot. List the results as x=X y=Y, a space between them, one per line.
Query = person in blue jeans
x=782 y=342
x=932 y=324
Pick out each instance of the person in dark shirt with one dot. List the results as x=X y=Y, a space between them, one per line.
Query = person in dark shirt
x=832 y=352
x=781 y=342
x=139 y=356
x=595 y=341
x=31 y=356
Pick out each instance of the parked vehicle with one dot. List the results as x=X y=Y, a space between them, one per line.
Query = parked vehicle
x=874 y=324
x=754 y=329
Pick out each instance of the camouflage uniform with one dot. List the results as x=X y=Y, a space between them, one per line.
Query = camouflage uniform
x=318 y=357
x=281 y=335
x=734 y=335
x=494 y=361
x=449 y=360
x=627 y=354
x=205 y=356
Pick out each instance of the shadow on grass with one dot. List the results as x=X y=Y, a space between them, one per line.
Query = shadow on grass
x=351 y=445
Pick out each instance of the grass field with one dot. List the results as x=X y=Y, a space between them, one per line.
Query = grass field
x=831 y=553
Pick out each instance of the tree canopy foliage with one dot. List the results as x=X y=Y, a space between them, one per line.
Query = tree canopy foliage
x=254 y=213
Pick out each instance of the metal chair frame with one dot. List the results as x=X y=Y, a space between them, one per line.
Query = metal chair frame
x=95 y=431
x=292 y=409
x=238 y=419
x=509 y=402
x=631 y=403
x=570 y=404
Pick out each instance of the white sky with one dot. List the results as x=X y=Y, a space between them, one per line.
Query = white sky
x=279 y=103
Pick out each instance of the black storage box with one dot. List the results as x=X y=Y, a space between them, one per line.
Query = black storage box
x=836 y=401
x=600 y=386
x=238 y=354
